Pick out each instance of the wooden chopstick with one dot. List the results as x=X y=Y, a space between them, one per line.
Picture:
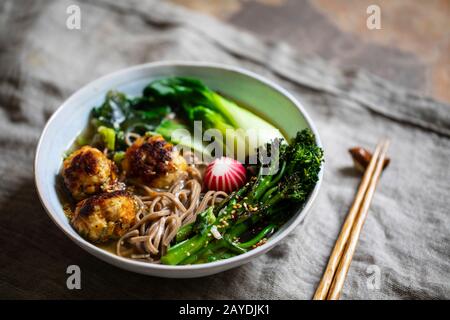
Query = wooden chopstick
x=346 y=259
x=333 y=262
x=330 y=285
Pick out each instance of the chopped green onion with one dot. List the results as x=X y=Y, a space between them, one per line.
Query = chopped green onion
x=108 y=136
x=118 y=157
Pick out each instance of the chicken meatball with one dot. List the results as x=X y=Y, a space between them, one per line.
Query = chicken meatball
x=105 y=216
x=88 y=171
x=153 y=161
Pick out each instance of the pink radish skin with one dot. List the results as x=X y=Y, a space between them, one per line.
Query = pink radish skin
x=225 y=174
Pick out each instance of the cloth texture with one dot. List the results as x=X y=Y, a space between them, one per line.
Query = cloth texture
x=404 y=248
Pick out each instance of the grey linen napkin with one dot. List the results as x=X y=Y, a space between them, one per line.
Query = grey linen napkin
x=404 y=247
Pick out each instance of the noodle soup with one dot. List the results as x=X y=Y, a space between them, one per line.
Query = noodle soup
x=133 y=186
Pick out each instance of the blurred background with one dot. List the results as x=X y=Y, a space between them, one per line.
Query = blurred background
x=412 y=49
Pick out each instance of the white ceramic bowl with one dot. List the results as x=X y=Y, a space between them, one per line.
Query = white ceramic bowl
x=266 y=98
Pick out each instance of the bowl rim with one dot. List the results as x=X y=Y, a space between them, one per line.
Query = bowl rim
x=108 y=256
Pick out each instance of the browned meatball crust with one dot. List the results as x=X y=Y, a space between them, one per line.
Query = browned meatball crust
x=88 y=171
x=105 y=216
x=153 y=161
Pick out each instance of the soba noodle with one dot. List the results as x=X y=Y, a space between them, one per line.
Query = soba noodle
x=161 y=213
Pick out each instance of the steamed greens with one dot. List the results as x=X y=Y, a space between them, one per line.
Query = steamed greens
x=188 y=99
x=126 y=114
x=198 y=103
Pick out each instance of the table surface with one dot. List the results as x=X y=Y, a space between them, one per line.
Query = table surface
x=412 y=48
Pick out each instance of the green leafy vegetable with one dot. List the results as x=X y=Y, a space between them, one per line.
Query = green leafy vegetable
x=199 y=103
x=124 y=114
x=168 y=127
x=189 y=99
x=113 y=111
x=180 y=134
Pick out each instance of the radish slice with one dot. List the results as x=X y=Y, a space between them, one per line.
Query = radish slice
x=225 y=174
